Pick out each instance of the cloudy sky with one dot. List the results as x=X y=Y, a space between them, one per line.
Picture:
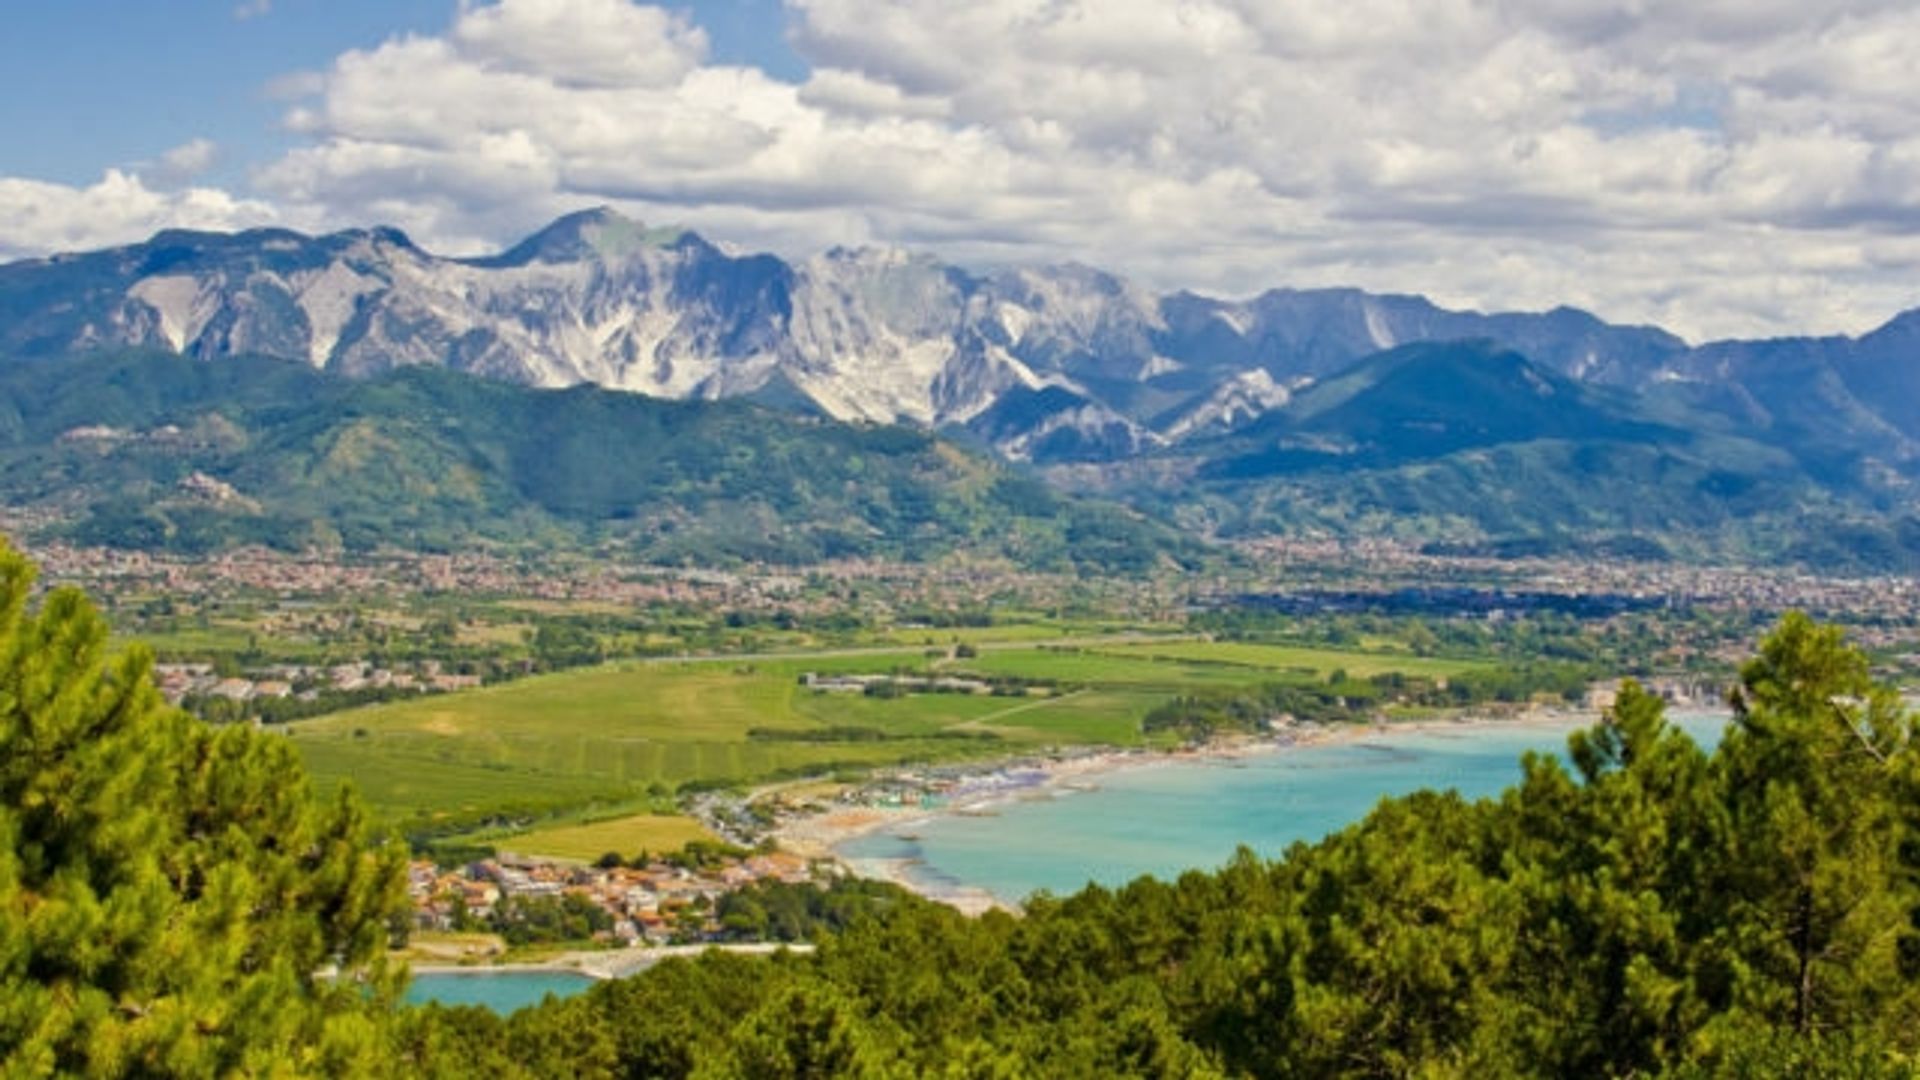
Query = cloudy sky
x=1720 y=167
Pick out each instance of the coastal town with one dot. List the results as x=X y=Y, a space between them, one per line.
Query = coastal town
x=678 y=899
x=770 y=836
x=1365 y=567
x=657 y=903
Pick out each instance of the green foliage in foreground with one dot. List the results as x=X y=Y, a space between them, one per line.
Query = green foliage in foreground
x=169 y=892
x=537 y=919
x=1655 y=909
x=779 y=911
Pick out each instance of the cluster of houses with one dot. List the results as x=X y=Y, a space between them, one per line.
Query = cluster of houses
x=303 y=681
x=1389 y=564
x=1683 y=692
x=105 y=571
x=652 y=904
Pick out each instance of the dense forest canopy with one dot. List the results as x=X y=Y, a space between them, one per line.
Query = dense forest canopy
x=175 y=903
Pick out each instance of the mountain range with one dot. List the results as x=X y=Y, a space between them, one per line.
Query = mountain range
x=1059 y=363
x=1332 y=410
x=149 y=450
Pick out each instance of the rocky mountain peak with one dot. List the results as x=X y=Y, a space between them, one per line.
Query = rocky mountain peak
x=599 y=234
x=873 y=334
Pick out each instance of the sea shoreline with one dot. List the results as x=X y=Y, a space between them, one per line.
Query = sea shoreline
x=600 y=964
x=824 y=835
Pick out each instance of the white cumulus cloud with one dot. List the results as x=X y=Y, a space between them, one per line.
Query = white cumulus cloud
x=582 y=42
x=188 y=160
x=37 y=218
x=1718 y=166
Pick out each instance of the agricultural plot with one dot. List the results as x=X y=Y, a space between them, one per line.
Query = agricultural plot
x=1004 y=633
x=625 y=731
x=225 y=637
x=430 y=783
x=625 y=836
x=1145 y=670
x=1317 y=663
x=617 y=732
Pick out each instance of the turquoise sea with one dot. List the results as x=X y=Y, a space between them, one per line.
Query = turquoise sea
x=1167 y=817
x=1158 y=818
x=501 y=991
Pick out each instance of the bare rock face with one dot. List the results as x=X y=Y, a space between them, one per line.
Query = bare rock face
x=1055 y=364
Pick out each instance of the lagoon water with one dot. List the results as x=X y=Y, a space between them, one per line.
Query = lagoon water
x=501 y=991
x=1165 y=818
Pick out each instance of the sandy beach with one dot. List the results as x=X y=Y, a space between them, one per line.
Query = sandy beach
x=602 y=963
x=821 y=836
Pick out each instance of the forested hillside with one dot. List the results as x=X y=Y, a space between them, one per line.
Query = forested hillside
x=1331 y=411
x=1471 y=445
x=154 y=451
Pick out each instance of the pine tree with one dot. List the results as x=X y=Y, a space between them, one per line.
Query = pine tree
x=173 y=900
x=1813 y=780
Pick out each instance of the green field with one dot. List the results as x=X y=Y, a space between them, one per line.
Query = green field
x=1109 y=669
x=621 y=733
x=1002 y=633
x=627 y=836
x=225 y=638
x=614 y=732
x=1318 y=662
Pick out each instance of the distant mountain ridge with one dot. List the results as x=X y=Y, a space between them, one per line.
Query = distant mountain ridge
x=1450 y=442
x=148 y=450
x=875 y=335
x=1322 y=409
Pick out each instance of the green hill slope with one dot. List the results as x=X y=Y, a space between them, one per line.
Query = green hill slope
x=1474 y=447
x=154 y=451
x=1424 y=402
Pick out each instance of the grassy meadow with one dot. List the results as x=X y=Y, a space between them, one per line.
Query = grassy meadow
x=627 y=836
x=1318 y=663
x=621 y=733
